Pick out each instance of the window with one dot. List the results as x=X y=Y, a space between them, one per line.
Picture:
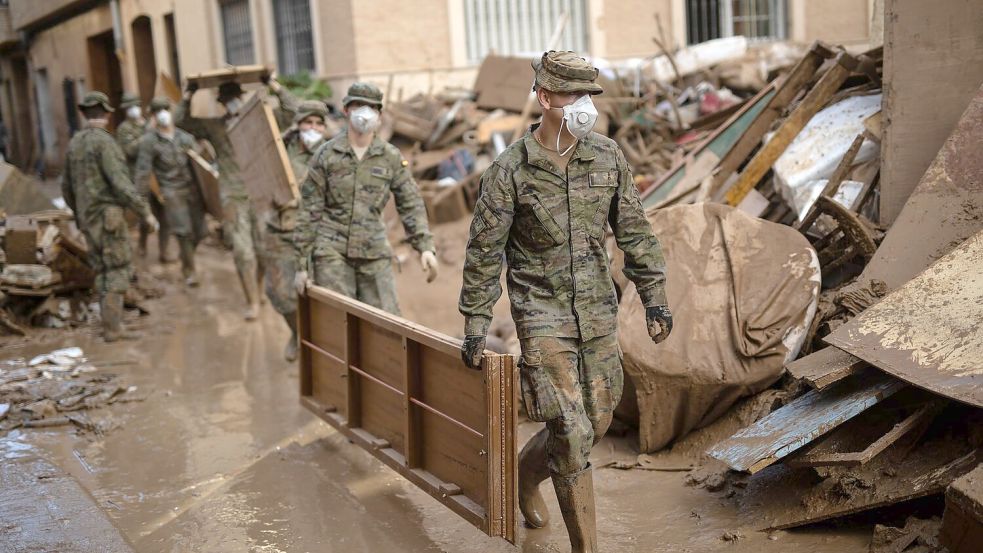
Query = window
x=755 y=19
x=509 y=27
x=294 y=40
x=238 y=32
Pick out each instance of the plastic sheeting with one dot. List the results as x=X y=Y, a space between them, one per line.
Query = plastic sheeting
x=742 y=290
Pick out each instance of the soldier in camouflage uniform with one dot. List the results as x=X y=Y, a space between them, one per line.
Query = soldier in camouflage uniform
x=340 y=233
x=544 y=207
x=281 y=251
x=164 y=152
x=96 y=185
x=240 y=227
x=128 y=135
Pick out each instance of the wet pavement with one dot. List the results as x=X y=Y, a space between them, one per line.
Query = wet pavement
x=222 y=458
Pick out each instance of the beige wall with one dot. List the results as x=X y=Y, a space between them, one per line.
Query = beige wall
x=844 y=22
x=625 y=28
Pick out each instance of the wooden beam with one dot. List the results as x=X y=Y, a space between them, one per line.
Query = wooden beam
x=825 y=367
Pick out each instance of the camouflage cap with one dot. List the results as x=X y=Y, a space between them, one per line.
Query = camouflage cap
x=566 y=72
x=308 y=108
x=95 y=98
x=160 y=103
x=129 y=100
x=363 y=92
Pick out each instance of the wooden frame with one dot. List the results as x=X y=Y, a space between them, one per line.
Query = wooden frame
x=207 y=178
x=401 y=392
x=242 y=74
x=264 y=165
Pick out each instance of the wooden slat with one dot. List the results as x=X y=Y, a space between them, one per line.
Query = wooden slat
x=242 y=74
x=207 y=179
x=265 y=167
x=802 y=421
x=824 y=367
x=835 y=180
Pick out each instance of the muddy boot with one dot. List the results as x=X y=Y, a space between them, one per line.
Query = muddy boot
x=164 y=253
x=532 y=472
x=290 y=351
x=250 y=288
x=112 y=318
x=188 y=261
x=575 y=493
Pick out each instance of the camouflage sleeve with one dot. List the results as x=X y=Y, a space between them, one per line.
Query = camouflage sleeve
x=129 y=141
x=145 y=164
x=289 y=103
x=411 y=209
x=644 y=262
x=184 y=120
x=485 y=253
x=311 y=208
x=114 y=168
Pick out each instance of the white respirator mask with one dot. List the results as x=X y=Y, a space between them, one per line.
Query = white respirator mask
x=164 y=118
x=311 y=138
x=578 y=118
x=233 y=106
x=365 y=119
x=133 y=112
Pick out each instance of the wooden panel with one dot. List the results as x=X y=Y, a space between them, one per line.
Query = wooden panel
x=263 y=162
x=401 y=392
x=802 y=421
x=242 y=74
x=207 y=178
x=824 y=367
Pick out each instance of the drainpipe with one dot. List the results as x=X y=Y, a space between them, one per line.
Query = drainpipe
x=117 y=27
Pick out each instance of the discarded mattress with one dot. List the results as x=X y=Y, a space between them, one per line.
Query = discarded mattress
x=742 y=290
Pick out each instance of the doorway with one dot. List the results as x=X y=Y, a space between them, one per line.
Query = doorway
x=172 y=53
x=143 y=55
x=105 y=73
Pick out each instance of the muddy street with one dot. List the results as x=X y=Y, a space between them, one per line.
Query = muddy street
x=220 y=457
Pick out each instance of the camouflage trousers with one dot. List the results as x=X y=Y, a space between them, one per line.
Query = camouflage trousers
x=243 y=233
x=366 y=280
x=164 y=232
x=109 y=250
x=280 y=264
x=185 y=213
x=573 y=386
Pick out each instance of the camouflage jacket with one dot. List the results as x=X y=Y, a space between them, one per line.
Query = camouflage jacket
x=128 y=136
x=216 y=131
x=342 y=200
x=550 y=226
x=96 y=177
x=167 y=158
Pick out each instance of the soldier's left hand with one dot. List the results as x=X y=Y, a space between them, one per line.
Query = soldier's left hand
x=152 y=223
x=659 y=322
x=428 y=260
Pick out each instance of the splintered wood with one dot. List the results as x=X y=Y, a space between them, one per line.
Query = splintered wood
x=401 y=392
x=263 y=161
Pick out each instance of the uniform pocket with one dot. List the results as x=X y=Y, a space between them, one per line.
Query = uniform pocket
x=539 y=395
x=115 y=242
x=603 y=179
x=113 y=220
x=549 y=223
x=484 y=219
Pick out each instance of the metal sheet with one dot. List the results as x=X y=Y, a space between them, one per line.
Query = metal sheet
x=928 y=331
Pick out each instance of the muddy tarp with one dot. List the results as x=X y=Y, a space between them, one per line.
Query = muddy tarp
x=743 y=291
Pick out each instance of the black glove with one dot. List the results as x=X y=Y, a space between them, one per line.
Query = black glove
x=472 y=350
x=191 y=87
x=659 y=322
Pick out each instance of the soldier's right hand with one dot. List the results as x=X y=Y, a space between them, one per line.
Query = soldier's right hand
x=472 y=350
x=152 y=223
x=300 y=282
x=191 y=87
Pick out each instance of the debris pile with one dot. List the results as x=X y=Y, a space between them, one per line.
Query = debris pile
x=54 y=389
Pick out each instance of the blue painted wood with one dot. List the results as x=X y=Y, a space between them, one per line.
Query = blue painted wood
x=802 y=421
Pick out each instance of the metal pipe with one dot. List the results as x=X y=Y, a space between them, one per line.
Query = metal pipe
x=117 y=27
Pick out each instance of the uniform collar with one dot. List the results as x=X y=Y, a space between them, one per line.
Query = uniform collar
x=343 y=145
x=536 y=154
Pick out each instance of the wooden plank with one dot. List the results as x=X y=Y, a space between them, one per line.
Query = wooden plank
x=814 y=101
x=927 y=331
x=824 y=367
x=412 y=404
x=834 y=182
x=207 y=179
x=242 y=74
x=168 y=88
x=802 y=421
x=962 y=522
x=262 y=157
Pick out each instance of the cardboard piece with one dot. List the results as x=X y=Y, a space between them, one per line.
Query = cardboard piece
x=19 y=193
x=263 y=161
x=242 y=74
x=207 y=178
x=504 y=83
x=168 y=88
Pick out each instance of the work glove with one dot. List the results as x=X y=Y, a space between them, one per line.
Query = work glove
x=428 y=260
x=658 y=319
x=191 y=88
x=300 y=282
x=472 y=350
x=152 y=223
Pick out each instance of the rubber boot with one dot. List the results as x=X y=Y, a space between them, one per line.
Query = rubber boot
x=532 y=472
x=575 y=493
x=251 y=289
x=188 y=261
x=290 y=351
x=112 y=318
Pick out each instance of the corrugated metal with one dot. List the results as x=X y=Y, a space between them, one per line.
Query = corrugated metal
x=510 y=27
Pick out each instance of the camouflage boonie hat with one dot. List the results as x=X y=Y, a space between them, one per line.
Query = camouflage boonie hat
x=129 y=100
x=160 y=103
x=566 y=72
x=95 y=98
x=363 y=92
x=308 y=108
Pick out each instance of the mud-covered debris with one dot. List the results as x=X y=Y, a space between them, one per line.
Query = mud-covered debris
x=920 y=535
x=732 y=536
x=715 y=483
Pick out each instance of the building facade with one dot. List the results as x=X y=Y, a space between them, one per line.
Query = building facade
x=53 y=51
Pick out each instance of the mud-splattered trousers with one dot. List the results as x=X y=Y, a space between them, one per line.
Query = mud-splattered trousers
x=96 y=186
x=549 y=224
x=128 y=136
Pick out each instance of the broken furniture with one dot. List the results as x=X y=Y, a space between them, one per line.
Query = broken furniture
x=264 y=165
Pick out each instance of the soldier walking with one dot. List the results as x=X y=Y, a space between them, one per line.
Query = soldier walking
x=340 y=233
x=96 y=185
x=164 y=152
x=544 y=207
